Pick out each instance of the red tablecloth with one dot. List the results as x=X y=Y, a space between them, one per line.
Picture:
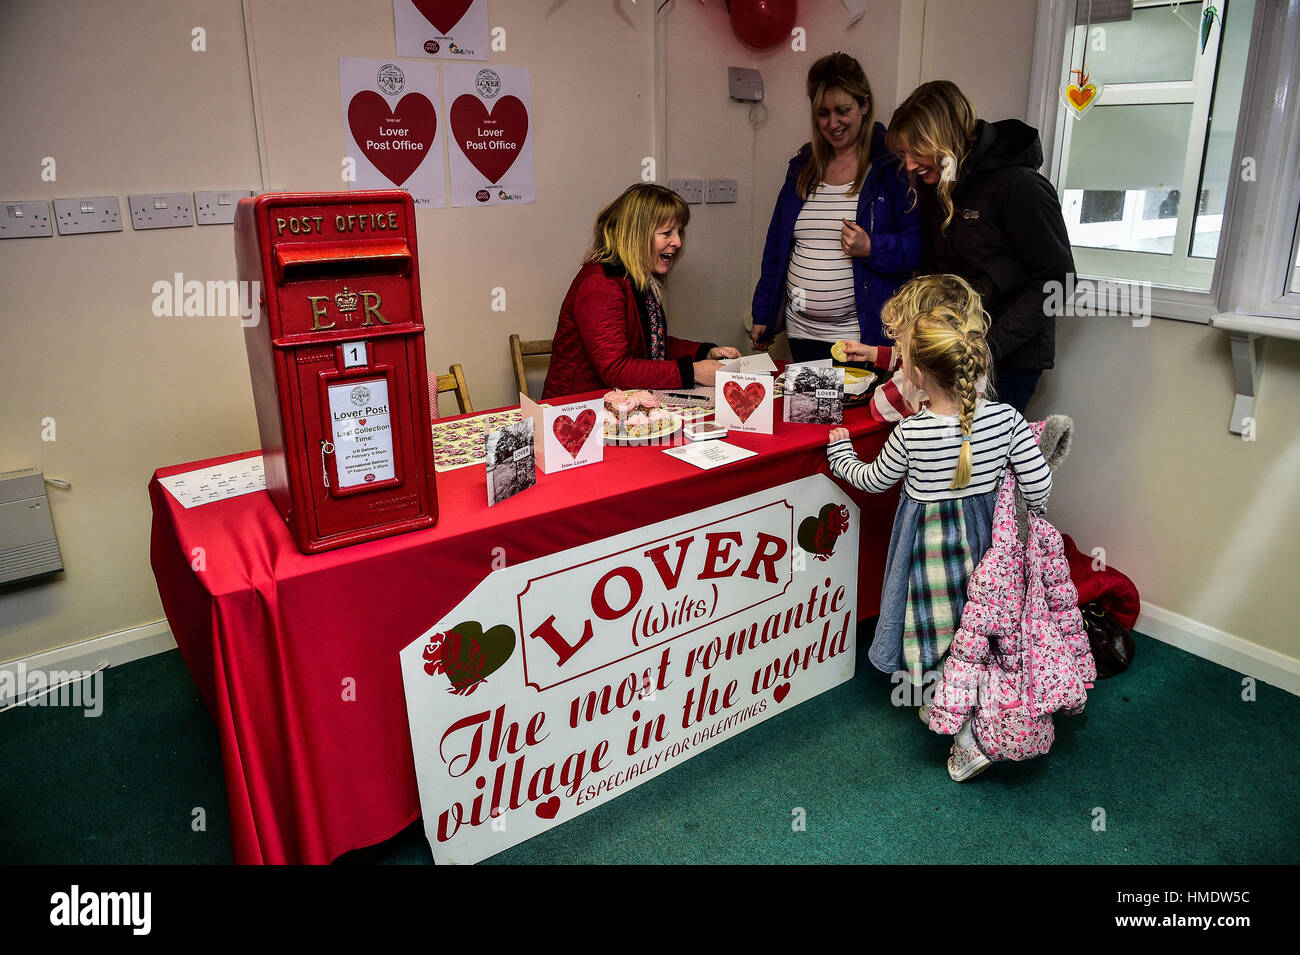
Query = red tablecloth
x=297 y=656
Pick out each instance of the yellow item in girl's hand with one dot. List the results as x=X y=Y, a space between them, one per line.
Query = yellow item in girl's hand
x=839 y=352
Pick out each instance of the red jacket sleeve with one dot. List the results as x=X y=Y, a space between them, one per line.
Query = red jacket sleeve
x=604 y=314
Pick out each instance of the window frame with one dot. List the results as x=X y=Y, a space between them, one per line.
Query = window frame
x=1258 y=239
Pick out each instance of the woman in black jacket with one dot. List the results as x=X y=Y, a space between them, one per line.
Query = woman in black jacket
x=990 y=217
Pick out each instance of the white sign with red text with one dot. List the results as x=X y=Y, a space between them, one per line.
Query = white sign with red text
x=442 y=29
x=489 y=115
x=565 y=681
x=393 y=129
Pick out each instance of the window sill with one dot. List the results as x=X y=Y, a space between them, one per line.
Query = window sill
x=1246 y=334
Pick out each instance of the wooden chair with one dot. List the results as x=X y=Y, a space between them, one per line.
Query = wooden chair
x=454 y=380
x=520 y=349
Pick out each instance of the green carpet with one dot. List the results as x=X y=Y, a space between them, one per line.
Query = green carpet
x=1185 y=770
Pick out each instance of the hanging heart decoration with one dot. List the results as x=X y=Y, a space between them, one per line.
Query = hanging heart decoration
x=1077 y=97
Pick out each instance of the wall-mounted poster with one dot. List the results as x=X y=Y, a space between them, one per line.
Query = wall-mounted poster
x=392 y=129
x=491 y=155
x=443 y=29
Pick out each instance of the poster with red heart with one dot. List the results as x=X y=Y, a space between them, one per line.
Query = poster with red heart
x=743 y=402
x=442 y=29
x=392 y=128
x=490 y=122
x=565 y=436
x=564 y=682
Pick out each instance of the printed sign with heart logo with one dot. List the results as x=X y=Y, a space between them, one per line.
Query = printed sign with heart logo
x=443 y=14
x=467 y=656
x=395 y=139
x=744 y=401
x=491 y=140
x=572 y=434
x=817 y=535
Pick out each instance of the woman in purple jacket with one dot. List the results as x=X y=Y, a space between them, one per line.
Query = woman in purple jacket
x=843 y=237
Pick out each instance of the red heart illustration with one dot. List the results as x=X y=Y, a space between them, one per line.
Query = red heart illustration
x=499 y=134
x=744 y=401
x=781 y=691
x=573 y=434
x=369 y=112
x=547 y=808
x=443 y=14
x=362 y=422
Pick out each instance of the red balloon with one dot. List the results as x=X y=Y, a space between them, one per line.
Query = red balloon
x=762 y=23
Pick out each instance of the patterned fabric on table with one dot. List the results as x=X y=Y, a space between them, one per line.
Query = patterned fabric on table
x=936 y=591
x=658 y=328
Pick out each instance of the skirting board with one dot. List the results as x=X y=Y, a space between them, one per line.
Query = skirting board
x=113 y=649
x=1219 y=647
x=1174 y=629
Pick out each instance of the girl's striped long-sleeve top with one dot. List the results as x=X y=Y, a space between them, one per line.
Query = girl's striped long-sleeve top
x=924 y=448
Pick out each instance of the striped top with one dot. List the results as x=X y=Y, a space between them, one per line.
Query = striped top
x=819 y=300
x=924 y=448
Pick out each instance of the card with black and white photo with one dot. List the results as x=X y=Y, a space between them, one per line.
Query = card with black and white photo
x=511 y=466
x=814 y=393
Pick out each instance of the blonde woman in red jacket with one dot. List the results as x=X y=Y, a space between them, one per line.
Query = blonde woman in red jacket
x=612 y=331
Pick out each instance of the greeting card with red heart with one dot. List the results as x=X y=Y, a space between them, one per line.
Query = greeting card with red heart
x=572 y=433
x=395 y=139
x=744 y=401
x=443 y=14
x=490 y=139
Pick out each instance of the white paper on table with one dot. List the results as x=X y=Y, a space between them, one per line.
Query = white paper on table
x=751 y=364
x=710 y=454
x=193 y=488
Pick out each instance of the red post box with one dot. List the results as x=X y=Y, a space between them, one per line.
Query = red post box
x=337 y=363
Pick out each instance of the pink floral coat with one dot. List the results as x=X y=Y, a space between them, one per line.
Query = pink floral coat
x=1021 y=652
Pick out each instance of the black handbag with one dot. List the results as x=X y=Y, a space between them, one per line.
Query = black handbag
x=1112 y=644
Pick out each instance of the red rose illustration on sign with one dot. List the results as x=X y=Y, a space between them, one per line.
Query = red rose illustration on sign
x=443 y=14
x=396 y=139
x=572 y=433
x=467 y=655
x=817 y=535
x=744 y=401
x=491 y=141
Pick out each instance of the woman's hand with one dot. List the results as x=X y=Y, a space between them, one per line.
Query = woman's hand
x=755 y=333
x=724 y=351
x=705 y=370
x=837 y=434
x=854 y=240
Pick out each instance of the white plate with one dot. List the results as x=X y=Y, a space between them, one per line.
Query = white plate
x=658 y=438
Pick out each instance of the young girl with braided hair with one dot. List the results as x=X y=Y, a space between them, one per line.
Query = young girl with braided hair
x=950 y=454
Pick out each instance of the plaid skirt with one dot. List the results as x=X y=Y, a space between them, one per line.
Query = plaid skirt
x=933 y=551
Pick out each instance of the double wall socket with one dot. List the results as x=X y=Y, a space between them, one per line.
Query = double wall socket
x=161 y=210
x=96 y=214
x=25 y=220
x=720 y=190
x=691 y=190
x=218 y=207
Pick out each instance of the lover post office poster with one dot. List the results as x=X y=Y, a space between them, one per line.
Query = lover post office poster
x=392 y=127
x=489 y=115
x=442 y=29
x=563 y=682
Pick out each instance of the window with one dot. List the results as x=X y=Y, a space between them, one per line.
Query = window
x=1162 y=128
x=1185 y=172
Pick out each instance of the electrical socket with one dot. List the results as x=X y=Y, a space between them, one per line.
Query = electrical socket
x=25 y=220
x=720 y=190
x=691 y=190
x=92 y=214
x=218 y=207
x=161 y=210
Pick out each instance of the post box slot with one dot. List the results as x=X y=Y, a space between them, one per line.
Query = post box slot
x=299 y=263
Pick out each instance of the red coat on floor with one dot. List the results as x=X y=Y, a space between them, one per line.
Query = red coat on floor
x=599 y=342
